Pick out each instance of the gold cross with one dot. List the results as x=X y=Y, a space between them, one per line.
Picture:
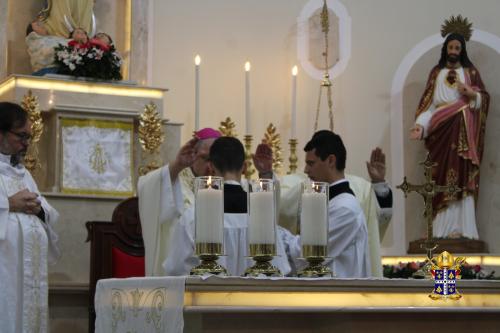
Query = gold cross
x=428 y=191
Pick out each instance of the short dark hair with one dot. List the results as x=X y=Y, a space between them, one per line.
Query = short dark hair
x=11 y=116
x=227 y=154
x=327 y=143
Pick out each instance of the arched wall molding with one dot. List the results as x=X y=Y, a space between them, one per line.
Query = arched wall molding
x=344 y=38
x=397 y=131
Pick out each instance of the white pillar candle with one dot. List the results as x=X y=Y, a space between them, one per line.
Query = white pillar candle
x=294 y=102
x=197 y=61
x=209 y=216
x=261 y=226
x=248 y=128
x=313 y=219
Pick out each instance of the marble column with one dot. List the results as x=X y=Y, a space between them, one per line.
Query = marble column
x=140 y=41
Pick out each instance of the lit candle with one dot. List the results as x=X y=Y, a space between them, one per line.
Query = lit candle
x=294 y=102
x=247 y=98
x=197 y=61
x=313 y=219
x=209 y=216
x=262 y=218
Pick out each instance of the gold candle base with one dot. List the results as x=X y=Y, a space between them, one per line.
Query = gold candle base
x=263 y=266
x=208 y=254
x=315 y=256
x=248 y=156
x=263 y=254
x=293 y=159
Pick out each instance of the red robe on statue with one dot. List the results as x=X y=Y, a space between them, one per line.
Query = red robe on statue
x=455 y=138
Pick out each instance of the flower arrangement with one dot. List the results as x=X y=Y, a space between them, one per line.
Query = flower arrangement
x=90 y=59
x=406 y=270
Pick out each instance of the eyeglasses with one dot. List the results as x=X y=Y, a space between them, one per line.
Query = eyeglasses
x=24 y=137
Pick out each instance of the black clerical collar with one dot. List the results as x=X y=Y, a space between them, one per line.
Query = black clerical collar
x=339 y=188
x=235 y=199
x=13 y=160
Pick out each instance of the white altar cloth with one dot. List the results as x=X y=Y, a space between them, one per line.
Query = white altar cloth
x=140 y=305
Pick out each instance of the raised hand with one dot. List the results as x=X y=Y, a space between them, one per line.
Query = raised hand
x=185 y=158
x=263 y=160
x=376 y=166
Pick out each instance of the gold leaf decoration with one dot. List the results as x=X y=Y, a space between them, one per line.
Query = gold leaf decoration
x=32 y=107
x=273 y=139
x=227 y=128
x=459 y=25
x=151 y=135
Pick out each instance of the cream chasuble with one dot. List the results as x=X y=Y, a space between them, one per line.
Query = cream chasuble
x=27 y=245
x=159 y=210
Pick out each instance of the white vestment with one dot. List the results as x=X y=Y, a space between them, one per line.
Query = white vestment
x=158 y=212
x=27 y=245
x=348 y=252
x=459 y=217
x=181 y=254
x=376 y=218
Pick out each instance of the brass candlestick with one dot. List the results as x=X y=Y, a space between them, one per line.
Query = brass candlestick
x=262 y=254
x=315 y=256
x=208 y=254
x=248 y=157
x=293 y=156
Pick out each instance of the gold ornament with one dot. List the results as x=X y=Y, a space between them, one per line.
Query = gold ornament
x=325 y=83
x=459 y=25
x=273 y=140
x=227 y=128
x=32 y=107
x=151 y=135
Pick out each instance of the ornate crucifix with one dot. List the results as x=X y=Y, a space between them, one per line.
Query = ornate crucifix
x=428 y=191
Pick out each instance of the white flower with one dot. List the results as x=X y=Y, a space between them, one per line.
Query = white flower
x=72 y=67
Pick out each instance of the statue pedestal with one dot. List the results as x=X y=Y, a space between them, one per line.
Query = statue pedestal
x=459 y=245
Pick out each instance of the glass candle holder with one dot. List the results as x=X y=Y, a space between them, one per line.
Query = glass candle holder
x=314 y=227
x=209 y=224
x=262 y=227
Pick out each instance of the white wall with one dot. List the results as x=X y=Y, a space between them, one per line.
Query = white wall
x=228 y=32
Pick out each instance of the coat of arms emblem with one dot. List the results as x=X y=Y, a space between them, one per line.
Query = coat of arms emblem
x=446 y=271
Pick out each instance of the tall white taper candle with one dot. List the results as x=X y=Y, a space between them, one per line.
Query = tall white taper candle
x=248 y=127
x=294 y=103
x=197 y=61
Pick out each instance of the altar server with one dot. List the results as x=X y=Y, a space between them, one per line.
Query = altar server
x=348 y=251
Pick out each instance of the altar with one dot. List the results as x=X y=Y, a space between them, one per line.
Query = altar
x=235 y=304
